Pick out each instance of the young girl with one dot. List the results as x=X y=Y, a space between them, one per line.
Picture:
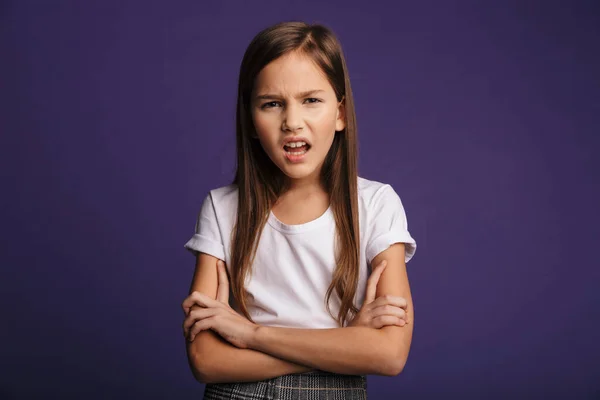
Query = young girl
x=293 y=239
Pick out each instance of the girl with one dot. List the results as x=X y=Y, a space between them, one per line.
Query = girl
x=297 y=232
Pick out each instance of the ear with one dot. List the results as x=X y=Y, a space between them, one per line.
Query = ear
x=340 y=121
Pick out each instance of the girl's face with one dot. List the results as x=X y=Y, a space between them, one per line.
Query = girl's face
x=296 y=115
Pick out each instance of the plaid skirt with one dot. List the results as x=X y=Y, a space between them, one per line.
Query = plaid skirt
x=310 y=385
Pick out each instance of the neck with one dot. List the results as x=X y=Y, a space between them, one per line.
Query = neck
x=306 y=185
x=301 y=191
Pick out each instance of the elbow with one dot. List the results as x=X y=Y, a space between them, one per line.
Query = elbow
x=393 y=363
x=199 y=363
x=396 y=350
x=395 y=367
x=198 y=370
x=392 y=366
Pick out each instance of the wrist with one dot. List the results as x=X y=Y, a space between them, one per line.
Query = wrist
x=255 y=336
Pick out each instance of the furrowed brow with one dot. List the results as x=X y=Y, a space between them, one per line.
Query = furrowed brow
x=299 y=95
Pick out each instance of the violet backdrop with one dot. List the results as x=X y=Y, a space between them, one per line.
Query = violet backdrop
x=117 y=118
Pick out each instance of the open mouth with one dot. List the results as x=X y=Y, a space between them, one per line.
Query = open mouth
x=295 y=151
x=296 y=148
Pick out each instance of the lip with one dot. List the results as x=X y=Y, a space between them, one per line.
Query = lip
x=295 y=139
x=295 y=159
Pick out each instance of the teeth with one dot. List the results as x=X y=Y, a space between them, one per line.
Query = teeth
x=296 y=153
x=295 y=144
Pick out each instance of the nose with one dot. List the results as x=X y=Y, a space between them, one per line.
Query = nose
x=292 y=120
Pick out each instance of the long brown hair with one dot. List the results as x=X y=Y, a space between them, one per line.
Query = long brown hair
x=259 y=180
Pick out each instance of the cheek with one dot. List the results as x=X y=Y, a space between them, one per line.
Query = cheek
x=264 y=125
x=267 y=133
x=325 y=127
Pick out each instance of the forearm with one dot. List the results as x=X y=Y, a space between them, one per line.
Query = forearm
x=349 y=350
x=213 y=360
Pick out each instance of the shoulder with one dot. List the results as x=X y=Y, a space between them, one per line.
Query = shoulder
x=385 y=219
x=379 y=202
x=224 y=196
x=372 y=192
x=220 y=203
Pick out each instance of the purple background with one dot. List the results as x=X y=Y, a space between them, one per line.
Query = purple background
x=118 y=117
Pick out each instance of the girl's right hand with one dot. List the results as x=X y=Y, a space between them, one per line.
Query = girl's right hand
x=383 y=311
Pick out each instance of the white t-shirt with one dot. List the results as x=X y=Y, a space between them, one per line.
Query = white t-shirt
x=294 y=263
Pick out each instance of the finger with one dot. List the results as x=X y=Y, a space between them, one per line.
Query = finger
x=387 y=320
x=372 y=282
x=197 y=315
x=388 y=310
x=397 y=301
x=197 y=298
x=186 y=309
x=200 y=326
x=223 y=289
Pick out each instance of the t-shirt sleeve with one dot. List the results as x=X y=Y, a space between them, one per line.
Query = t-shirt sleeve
x=388 y=225
x=207 y=236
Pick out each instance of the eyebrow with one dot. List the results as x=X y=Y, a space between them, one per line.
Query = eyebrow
x=274 y=96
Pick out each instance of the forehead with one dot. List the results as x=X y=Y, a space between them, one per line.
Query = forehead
x=289 y=74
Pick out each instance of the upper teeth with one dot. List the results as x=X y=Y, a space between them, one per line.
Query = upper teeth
x=296 y=144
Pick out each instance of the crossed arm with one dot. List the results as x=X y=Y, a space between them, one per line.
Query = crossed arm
x=278 y=351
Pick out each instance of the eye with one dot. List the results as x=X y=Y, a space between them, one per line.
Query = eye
x=268 y=105
x=315 y=100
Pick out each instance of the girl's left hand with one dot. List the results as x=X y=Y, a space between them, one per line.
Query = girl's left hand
x=205 y=313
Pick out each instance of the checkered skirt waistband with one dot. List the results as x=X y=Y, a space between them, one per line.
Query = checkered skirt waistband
x=310 y=385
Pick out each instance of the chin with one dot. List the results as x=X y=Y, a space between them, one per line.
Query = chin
x=298 y=172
